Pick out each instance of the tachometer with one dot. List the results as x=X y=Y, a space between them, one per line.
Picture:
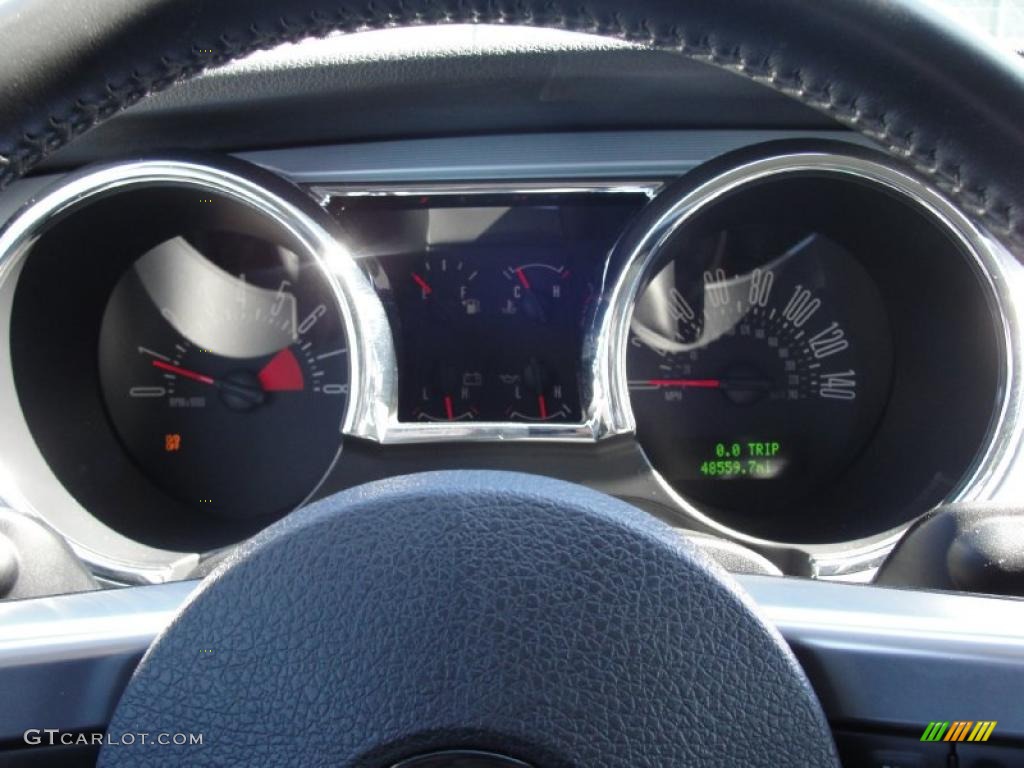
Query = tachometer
x=224 y=369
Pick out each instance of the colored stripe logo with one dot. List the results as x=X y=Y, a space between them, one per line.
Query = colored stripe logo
x=959 y=730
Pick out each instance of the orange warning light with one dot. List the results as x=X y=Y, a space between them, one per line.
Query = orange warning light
x=172 y=443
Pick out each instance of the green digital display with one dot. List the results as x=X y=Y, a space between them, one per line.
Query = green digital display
x=750 y=459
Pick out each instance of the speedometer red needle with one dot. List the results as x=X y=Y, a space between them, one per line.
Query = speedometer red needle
x=423 y=284
x=183 y=372
x=683 y=383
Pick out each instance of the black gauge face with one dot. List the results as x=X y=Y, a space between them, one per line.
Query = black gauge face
x=446 y=287
x=759 y=364
x=534 y=391
x=224 y=369
x=489 y=296
x=488 y=340
x=536 y=291
x=449 y=391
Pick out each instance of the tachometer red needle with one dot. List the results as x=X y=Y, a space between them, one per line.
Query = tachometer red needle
x=449 y=409
x=183 y=372
x=542 y=405
x=522 y=278
x=423 y=284
x=682 y=383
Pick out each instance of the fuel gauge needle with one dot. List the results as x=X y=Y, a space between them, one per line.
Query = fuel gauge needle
x=423 y=284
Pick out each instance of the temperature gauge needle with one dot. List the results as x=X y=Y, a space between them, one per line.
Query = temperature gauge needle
x=532 y=306
x=542 y=406
x=250 y=394
x=449 y=408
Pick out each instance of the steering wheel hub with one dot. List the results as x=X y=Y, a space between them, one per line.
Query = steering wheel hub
x=488 y=611
x=461 y=758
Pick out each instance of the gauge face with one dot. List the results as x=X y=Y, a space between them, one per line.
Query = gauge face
x=534 y=391
x=487 y=339
x=445 y=286
x=224 y=369
x=490 y=296
x=449 y=392
x=536 y=291
x=759 y=364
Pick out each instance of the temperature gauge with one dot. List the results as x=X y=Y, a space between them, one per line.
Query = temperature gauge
x=535 y=291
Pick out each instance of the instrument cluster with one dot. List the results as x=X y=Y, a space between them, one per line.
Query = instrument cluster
x=490 y=295
x=794 y=346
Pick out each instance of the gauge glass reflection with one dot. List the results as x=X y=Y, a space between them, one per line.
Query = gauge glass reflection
x=759 y=364
x=224 y=368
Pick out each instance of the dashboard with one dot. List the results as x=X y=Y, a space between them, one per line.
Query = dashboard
x=791 y=345
x=258 y=326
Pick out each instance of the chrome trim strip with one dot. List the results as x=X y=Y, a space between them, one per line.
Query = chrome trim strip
x=877 y=657
x=891 y=657
x=1001 y=273
x=325 y=192
x=529 y=156
x=26 y=481
x=65 y=660
x=391 y=431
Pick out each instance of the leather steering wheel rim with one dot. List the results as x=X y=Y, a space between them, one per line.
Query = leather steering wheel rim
x=936 y=97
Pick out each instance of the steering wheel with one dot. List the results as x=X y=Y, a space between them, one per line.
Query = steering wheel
x=483 y=618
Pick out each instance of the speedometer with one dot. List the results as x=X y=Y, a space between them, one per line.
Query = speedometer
x=769 y=357
x=809 y=349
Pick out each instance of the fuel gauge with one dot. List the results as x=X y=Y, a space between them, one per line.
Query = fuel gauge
x=446 y=285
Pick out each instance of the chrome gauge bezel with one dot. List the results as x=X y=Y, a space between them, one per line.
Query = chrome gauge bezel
x=595 y=425
x=28 y=484
x=372 y=408
x=1000 y=273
